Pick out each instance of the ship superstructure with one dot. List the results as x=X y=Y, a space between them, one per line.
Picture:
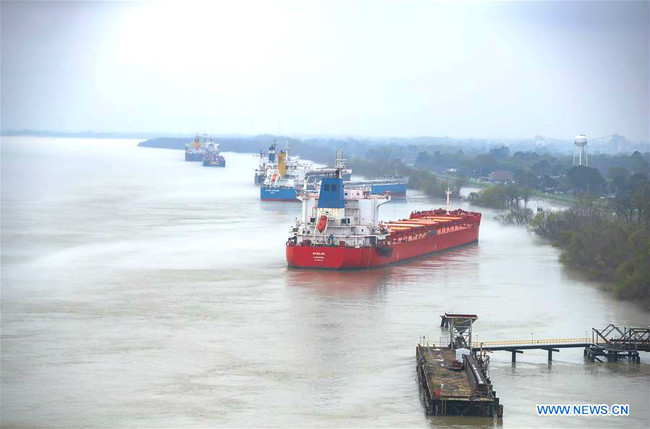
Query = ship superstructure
x=267 y=162
x=283 y=180
x=195 y=150
x=340 y=229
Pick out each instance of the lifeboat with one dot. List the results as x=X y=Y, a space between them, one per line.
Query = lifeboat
x=322 y=223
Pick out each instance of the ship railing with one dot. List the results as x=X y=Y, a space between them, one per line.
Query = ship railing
x=533 y=342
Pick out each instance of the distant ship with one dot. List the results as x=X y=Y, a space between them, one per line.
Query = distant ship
x=313 y=177
x=340 y=229
x=212 y=156
x=195 y=151
x=396 y=186
x=283 y=181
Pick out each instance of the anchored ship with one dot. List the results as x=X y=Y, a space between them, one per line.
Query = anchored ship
x=340 y=229
x=395 y=185
x=313 y=177
x=212 y=157
x=195 y=151
x=283 y=181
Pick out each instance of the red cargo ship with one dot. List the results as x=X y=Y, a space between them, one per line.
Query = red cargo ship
x=340 y=229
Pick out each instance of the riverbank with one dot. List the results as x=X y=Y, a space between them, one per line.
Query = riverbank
x=606 y=239
x=603 y=246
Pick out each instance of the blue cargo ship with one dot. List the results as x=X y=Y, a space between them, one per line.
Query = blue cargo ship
x=395 y=185
x=313 y=177
x=279 y=193
x=284 y=180
x=288 y=180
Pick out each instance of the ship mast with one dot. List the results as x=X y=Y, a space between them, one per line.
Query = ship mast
x=448 y=193
x=340 y=163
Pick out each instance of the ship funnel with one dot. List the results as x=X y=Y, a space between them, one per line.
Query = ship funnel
x=282 y=164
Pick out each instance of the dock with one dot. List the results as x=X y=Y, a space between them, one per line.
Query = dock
x=454 y=392
x=613 y=343
x=453 y=376
x=454 y=382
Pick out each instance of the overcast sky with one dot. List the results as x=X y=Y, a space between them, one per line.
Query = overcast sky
x=504 y=70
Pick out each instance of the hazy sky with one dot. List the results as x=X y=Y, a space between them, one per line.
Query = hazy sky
x=345 y=68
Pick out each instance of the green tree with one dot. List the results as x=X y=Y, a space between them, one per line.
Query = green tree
x=586 y=179
x=527 y=179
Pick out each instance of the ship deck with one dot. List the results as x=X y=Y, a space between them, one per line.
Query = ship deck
x=439 y=221
x=452 y=384
x=450 y=392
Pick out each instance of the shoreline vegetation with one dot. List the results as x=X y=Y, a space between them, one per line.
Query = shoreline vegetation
x=605 y=241
x=608 y=239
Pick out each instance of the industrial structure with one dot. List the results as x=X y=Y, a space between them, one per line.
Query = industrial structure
x=612 y=344
x=453 y=380
x=453 y=375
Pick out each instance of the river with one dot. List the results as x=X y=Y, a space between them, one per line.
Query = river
x=140 y=290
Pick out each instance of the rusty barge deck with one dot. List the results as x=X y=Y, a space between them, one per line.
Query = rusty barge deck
x=454 y=392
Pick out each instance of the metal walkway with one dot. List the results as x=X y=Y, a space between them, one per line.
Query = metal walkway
x=517 y=346
x=613 y=343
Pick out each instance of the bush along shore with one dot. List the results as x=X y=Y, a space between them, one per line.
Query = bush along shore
x=508 y=199
x=603 y=242
x=608 y=239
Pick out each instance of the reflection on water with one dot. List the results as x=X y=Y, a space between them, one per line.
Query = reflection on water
x=363 y=283
x=141 y=290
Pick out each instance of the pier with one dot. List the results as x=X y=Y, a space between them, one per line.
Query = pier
x=453 y=375
x=613 y=343
x=453 y=381
x=518 y=346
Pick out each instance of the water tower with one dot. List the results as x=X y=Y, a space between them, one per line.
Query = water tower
x=580 y=150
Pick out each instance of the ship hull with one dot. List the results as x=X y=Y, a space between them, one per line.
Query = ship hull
x=269 y=193
x=221 y=162
x=341 y=258
x=193 y=157
x=395 y=189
